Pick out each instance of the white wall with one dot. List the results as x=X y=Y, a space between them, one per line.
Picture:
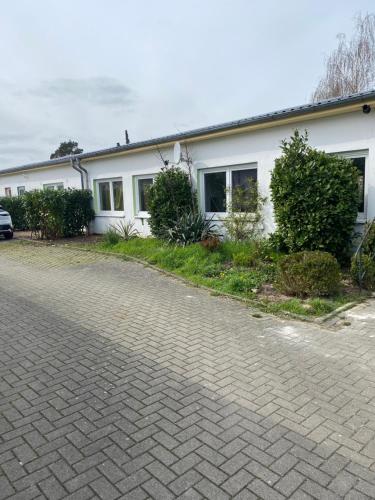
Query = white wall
x=343 y=133
x=34 y=179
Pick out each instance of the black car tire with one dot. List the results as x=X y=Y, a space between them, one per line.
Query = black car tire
x=8 y=236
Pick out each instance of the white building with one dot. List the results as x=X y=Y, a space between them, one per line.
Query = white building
x=223 y=155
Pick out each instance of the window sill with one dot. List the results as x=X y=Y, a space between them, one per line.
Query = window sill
x=119 y=215
x=142 y=215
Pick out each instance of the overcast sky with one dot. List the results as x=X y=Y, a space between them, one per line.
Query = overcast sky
x=89 y=69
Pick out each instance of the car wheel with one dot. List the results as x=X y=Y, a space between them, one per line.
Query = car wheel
x=8 y=236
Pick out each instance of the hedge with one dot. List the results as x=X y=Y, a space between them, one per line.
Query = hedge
x=51 y=214
x=16 y=207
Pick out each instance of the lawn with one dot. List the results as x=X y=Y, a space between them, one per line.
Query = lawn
x=239 y=269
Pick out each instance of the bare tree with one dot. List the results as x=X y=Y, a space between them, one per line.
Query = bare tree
x=351 y=66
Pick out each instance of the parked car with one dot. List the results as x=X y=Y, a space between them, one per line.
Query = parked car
x=6 y=226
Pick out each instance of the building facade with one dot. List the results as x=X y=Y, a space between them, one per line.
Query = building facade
x=222 y=157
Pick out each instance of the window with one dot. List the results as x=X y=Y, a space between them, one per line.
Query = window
x=56 y=186
x=142 y=185
x=110 y=195
x=8 y=192
x=218 y=184
x=215 y=185
x=21 y=190
x=359 y=159
x=360 y=163
x=245 y=182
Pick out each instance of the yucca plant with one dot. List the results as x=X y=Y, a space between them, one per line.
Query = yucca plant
x=126 y=230
x=191 y=227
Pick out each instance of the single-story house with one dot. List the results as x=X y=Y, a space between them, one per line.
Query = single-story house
x=221 y=156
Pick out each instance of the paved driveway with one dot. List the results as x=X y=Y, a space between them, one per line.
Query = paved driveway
x=117 y=382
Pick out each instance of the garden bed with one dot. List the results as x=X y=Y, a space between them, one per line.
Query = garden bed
x=236 y=269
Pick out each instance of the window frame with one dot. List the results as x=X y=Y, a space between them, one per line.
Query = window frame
x=228 y=169
x=23 y=190
x=361 y=216
x=8 y=192
x=142 y=214
x=54 y=186
x=112 y=211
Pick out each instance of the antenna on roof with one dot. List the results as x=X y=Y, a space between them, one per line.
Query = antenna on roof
x=127 y=140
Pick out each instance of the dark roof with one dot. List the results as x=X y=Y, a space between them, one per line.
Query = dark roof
x=337 y=102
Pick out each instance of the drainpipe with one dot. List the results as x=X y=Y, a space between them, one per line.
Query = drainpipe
x=76 y=167
x=85 y=171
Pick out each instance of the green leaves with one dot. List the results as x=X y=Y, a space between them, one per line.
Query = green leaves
x=315 y=198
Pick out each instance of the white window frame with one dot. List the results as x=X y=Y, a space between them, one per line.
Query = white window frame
x=8 y=192
x=362 y=216
x=112 y=200
x=228 y=169
x=23 y=188
x=142 y=214
x=54 y=186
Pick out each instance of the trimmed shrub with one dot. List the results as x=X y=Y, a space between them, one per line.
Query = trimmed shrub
x=363 y=271
x=312 y=274
x=169 y=198
x=16 y=207
x=55 y=214
x=315 y=198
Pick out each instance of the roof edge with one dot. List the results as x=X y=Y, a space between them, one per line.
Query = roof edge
x=295 y=111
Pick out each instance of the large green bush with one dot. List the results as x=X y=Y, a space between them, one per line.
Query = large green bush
x=312 y=274
x=315 y=198
x=55 y=214
x=170 y=197
x=16 y=207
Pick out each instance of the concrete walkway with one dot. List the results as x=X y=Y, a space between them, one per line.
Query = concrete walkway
x=117 y=382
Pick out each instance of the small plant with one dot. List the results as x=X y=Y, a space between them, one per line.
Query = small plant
x=211 y=243
x=244 y=259
x=126 y=230
x=309 y=274
x=244 y=218
x=111 y=237
x=191 y=228
x=363 y=271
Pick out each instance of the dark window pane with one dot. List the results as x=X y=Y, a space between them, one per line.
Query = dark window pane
x=143 y=185
x=118 y=196
x=360 y=164
x=244 y=189
x=104 y=196
x=215 y=191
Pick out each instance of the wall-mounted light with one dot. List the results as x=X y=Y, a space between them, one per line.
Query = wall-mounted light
x=366 y=108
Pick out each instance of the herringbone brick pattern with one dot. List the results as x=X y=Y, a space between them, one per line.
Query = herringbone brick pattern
x=117 y=382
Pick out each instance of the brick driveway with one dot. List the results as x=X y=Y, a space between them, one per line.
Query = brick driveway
x=117 y=382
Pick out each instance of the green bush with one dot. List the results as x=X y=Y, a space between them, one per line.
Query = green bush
x=55 y=214
x=315 y=198
x=307 y=273
x=363 y=271
x=369 y=243
x=16 y=207
x=169 y=198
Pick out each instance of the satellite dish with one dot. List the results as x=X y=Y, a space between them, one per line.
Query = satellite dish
x=177 y=153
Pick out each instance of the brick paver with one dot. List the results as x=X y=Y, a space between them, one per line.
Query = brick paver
x=118 y=382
